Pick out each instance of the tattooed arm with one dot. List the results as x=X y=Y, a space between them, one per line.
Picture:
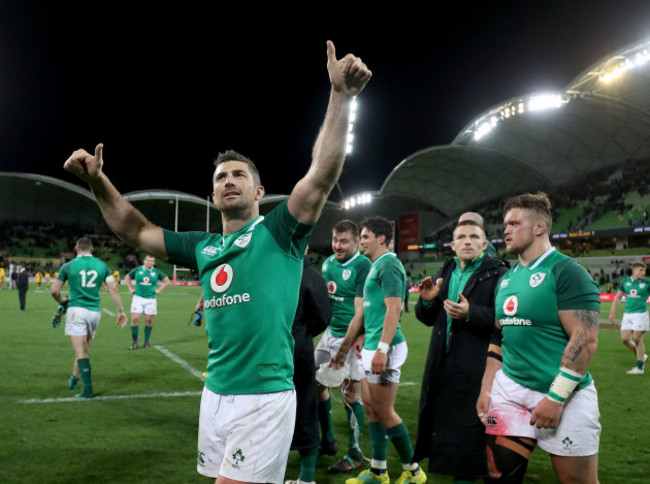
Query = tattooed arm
x=582 y=328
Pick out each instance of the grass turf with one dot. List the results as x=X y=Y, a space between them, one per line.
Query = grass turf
x=144 y=430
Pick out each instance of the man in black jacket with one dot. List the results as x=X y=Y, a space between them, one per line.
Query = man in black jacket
x=312 y=317
x=22 y=283
x=459 y=303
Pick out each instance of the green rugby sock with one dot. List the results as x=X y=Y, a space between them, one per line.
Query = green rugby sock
x=308 y=464
x=377 y=441
x=399 y=436
x=84 y=369
x=325 y=419
x=134 y=333
x=147 y=333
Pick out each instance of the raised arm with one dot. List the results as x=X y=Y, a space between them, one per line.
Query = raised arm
x=348 y=77
x=123 y=218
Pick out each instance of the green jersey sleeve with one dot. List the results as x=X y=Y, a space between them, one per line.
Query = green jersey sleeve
x=392 y=279
x=291 y=235
x=132 y=273
x=362 y=272
x=575 y=287
x=180 y=247
x=161 y=274
x=63 y=272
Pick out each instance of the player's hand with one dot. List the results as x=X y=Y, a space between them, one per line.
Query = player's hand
x=378 y=363
x=131 y=290
x=483 y=405
x=457 y=310
x=122 y=319
x=348 y=75
x=612 y=317
x=86 y=166
x=428 y=290
x=547 y=414
x=357 y=346
x=338 y=360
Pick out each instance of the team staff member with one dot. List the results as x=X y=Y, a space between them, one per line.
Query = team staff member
x=459 y=303
x=547 y=307
x=312 y=316
x=636 y=290
x=384 y=352
x=345 y=272
x=146 y=278
x=246 y=421
x=85 y=275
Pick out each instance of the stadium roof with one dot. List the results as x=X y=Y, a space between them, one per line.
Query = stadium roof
x=534 y=142
x=42 y=199
x=539 y=141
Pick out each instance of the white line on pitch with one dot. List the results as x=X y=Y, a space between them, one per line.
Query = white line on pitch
x=110 y=313
x=180 y=361
x=112 y=397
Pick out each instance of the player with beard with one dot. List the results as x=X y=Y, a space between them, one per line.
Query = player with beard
x=250 y=277
x=537 y=390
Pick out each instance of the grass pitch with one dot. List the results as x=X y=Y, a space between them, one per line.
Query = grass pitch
x=142 y=427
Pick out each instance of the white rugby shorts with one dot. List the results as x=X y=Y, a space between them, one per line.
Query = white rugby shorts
x=327 y=348
x=635 y=321
x=577 y=434
x=246 y=437
x=81 y=322
x=395 y=359
x=148 y=306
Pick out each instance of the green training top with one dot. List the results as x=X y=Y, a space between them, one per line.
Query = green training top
x=250 y=281
x=85 y=275
x=386 y=278
x=458 y=281
x=146 y=281
x=636 y=295
x=527 y=302
x=345 y=281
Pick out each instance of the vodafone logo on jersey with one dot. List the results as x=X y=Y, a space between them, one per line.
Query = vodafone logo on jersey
x=331 y=287
x=510 y=306
x=221 y=278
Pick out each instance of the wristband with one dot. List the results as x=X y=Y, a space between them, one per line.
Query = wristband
x=120 y=310
x=563 y=385
x=382 y=347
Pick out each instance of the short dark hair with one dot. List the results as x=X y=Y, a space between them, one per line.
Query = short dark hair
x=232 y=155
x=379 y=226
x=537 y=202
x=347 y=226
x=473 y=223
x=639 y=264
x=84 y=243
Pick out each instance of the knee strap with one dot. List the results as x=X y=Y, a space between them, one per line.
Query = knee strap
x=507 y=459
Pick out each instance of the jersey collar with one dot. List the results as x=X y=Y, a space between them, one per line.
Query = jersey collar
x=392 y=254
x=533 y=265
x=357 y=254
x=246 y=228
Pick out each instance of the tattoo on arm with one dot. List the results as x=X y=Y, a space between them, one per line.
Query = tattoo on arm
x=582 y=342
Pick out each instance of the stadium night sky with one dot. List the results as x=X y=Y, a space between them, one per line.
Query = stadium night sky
x=165 y=89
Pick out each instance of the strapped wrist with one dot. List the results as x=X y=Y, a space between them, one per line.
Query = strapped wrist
x=563 y=385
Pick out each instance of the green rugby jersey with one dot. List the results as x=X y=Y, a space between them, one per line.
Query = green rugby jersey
x=250 y=281
x=527 y=302
x=636 y=295
x=85 y=275
x=146 y=281
x=345 y=281
x=386 y=278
